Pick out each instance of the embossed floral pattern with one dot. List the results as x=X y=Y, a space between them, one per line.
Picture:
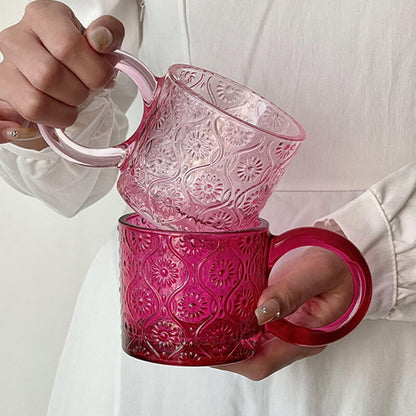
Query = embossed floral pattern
x=221 y=337
x=168 y=200
x=207 y=188
x=244 y=303
x=140 y=241
x=161 y=118
x=222 y=272
x=221 y=220
x=192 y=307
x=186 y=76
x=186 y=108
x=284 y=151
x=228 y=92
x=217 y=141
x=190 y=356
x=193 y=246
x=161 y=160
x=272 y=120
x=248 y=244
x=235 y=135
x=165 y=271
x=165 y=335
x=198 y=144
x=189 y=298
x=254 y=202
x=249 y=168
x=139 y=301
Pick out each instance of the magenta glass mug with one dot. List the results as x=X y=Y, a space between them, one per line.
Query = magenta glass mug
x=188 y=298
x=206 y=155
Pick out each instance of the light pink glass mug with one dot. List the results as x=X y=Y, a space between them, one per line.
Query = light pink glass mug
x=206 y=156
x=188 y=298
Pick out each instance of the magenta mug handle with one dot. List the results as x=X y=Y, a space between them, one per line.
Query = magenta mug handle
x=111 y=156
x=319 y=336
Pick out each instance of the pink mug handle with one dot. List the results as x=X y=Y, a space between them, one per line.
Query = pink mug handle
x=310 y=236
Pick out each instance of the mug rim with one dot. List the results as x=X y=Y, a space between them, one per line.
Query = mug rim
x=263 y=225
x=300 y=137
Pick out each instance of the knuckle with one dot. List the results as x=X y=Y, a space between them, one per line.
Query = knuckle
x=37 y=7
x=32 y=106
x=7 y=38
x=68 y=46
x=101 y=77
x=46 y=75
x=34 y=8
x=290 y=299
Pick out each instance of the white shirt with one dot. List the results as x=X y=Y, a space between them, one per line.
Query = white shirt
x=344 y=70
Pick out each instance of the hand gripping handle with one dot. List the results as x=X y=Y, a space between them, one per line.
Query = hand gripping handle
x=111 y=156
x=310 y=236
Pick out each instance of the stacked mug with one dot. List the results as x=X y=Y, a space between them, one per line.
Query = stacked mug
x=195 y=256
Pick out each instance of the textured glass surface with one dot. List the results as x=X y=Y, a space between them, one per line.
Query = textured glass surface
x=188 y=298
x=206 y=156
x=209 y=156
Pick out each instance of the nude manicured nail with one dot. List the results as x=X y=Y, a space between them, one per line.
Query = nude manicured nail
x=101 y=38
x=268 y=311
x=19 y=133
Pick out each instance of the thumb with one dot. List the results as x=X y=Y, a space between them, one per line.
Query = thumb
x=281 y=299
x=105 y=34
x=319 y=275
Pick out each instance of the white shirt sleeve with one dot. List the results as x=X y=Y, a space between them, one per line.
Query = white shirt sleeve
x=64 y=186
x=382 y=224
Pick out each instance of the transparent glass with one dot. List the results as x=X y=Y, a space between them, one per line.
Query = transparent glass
x=188 y=298
x=206 y=156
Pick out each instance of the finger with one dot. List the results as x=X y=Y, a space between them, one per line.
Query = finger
x=318 y=278
x=273 y=355
x=63 y=38
x=41 y=69
x=105 y=34
x=30 y=103
x=7 y=112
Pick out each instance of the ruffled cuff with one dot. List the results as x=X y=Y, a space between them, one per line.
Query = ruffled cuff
x=363 y=222
x=64 y=186
x=382 y=224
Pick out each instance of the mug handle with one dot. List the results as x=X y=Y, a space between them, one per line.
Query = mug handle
x=320 y=336
x=111 y=156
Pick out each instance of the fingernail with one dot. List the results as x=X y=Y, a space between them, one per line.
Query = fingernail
x=268 y=311
x=18 y=133
x=101 y=38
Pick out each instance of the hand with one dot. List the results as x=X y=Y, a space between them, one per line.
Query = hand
x=51 y=62
x=314 y=288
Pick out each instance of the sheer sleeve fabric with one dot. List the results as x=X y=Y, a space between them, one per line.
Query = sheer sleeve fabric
x=382 y=224
x=64 y=186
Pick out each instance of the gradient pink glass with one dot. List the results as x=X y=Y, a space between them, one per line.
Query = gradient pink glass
x=206 y=156
x=188 y=298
